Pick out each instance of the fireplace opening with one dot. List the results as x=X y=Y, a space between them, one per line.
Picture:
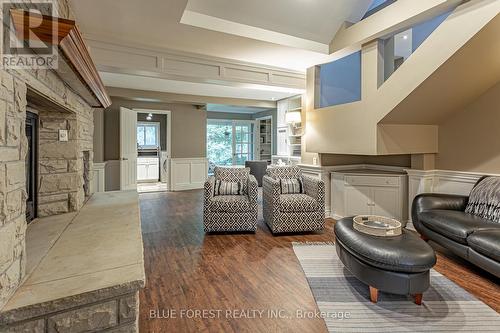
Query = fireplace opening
x=86 y=173
x=31 y=166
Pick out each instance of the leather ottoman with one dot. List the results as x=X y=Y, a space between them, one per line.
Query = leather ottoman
x=397 y=265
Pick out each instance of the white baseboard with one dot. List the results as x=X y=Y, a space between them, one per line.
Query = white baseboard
x=188 y=173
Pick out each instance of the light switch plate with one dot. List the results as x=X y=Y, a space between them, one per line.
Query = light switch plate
x=63 y=135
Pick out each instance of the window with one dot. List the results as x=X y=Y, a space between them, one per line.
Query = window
x=340 y=81
x=148 y=135
x=229 y=142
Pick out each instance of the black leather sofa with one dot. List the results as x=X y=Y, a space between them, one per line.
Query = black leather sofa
x=442 y=219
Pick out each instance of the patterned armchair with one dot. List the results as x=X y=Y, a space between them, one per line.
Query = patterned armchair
x=230 y=212
x=293 y=212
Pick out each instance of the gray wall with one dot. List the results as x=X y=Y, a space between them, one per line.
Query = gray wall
x=188 y=128
x=229 y=116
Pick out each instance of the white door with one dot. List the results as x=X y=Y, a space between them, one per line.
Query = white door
x=128 y=149
x=358 y=200
x=282 y=142
x=282 y=108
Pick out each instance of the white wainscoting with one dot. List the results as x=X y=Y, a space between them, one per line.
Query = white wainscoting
x=112 y=180
x=441 y=181
x=188 y=173
x=99 y=177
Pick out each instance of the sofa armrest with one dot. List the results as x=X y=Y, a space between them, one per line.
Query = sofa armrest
x=315 y=188
x=431 y=201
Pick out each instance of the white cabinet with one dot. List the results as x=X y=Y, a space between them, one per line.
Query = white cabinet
x=360 y=192
x=148 y=169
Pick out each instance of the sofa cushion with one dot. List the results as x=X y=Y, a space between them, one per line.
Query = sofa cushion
x=486 y=242
x=229 y=203
x=453 y=224
x=297 y=203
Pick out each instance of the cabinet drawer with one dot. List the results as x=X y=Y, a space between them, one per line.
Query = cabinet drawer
x=372 y=180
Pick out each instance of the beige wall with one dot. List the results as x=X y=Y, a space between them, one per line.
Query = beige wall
x=470 y=141
x=188 y=128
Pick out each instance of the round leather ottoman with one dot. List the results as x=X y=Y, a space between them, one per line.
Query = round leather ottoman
x=398 y=265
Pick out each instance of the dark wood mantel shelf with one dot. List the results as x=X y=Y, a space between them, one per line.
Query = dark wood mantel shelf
x=76 y=67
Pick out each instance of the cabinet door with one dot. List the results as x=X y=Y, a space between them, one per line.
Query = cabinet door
x=386 y=202
x=282 y=108
x=142 y=171
x=358 y=200
x=282 y=144
x=153 y=171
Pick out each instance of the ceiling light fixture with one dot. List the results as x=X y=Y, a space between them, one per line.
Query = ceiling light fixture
x=149 y=117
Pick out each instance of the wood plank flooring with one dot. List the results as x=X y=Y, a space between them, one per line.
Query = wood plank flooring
x=187 y=270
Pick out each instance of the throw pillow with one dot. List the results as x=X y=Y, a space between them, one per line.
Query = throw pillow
x=223 y=187
x=484 y=199
x=291 y=186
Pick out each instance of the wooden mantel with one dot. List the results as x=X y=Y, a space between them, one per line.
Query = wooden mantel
x=76 y=68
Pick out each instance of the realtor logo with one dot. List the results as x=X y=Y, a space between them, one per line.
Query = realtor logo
x=29 y=36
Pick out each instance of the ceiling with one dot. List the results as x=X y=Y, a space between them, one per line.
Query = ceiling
x=287 y=34
x=314 y=21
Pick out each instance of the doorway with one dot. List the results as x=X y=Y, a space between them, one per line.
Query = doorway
x=229 y=142
x=31 y=167
x=153 y=142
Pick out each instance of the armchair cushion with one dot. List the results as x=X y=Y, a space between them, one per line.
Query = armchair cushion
x=453 y=224
x=291 y=186
x=284 y=172
x=223 y=187
x=297 y=203
x=230 y=203
x=231 y=174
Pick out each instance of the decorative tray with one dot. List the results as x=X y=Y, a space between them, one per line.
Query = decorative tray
x=377 y=225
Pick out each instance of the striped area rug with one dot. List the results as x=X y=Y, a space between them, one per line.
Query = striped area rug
x=344 y=301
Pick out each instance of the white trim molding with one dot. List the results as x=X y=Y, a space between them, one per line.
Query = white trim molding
x=123 y=58
x=188 y=173
x=99 y=177
x=441 y=181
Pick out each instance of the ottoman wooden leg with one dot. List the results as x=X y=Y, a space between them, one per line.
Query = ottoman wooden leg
x=373 y=294
x=418 y=299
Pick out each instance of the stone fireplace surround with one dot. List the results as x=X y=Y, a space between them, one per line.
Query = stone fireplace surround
x=60 y=178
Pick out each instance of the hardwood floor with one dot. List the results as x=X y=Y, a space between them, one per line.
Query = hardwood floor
x=187 y=270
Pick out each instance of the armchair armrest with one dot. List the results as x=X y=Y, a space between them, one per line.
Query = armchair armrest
x=270 y=192
x=315 y=188
x=209 y=188
x=252 y=186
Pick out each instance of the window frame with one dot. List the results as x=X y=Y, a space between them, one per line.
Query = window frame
x=157 y=130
